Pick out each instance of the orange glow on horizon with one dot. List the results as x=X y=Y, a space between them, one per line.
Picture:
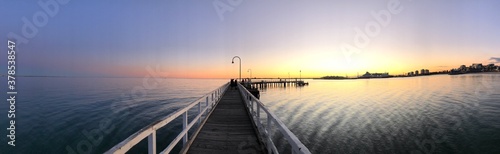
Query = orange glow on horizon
x=307 y=65
x=308 y=71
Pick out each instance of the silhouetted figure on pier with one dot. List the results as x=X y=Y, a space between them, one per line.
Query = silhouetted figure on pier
x=233 y=84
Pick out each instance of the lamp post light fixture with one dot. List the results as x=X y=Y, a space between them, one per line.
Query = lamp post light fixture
x=250 y=70
x=300 y=77
x=232 y=62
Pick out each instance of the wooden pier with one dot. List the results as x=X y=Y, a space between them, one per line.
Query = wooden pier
x=277 y=83
x=229 y=120
x=229 y=129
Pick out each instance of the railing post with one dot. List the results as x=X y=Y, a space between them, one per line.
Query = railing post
x=269 y=125
x=199 y=113
x=206 y=99
x=152 y=143
x=184 y=125
x=269 y=133
x=206 y=106
x=258 y=112
x=251 y=106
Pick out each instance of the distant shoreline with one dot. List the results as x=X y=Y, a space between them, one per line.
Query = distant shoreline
x=340 y=78
x=402 y=76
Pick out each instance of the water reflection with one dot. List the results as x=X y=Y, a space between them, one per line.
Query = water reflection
x=399 y=115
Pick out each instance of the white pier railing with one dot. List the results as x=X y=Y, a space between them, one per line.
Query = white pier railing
x=255 y=107
x=150 y=131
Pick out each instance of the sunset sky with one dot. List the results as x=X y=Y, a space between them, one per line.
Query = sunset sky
x=190 y=39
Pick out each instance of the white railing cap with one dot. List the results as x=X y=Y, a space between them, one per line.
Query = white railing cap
x=138 y=136
x=283 y=129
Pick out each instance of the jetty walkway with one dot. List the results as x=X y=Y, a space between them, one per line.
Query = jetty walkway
x=229 y=129
x=277 y=82
x=228 y=121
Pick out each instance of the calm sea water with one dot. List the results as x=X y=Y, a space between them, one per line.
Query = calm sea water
x=93 y=114
x=433 y=114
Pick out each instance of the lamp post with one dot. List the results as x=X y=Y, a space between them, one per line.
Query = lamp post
x=250 y=70
x=232 y=62
x=300 y=77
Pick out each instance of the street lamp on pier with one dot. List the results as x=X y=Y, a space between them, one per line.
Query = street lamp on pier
x=232 y=62
x=250 y=70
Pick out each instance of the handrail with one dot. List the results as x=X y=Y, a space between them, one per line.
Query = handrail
x=286 y=80
x=150 y=130
x=266 y=133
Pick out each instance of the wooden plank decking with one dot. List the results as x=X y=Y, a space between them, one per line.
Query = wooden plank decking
x=228 y=129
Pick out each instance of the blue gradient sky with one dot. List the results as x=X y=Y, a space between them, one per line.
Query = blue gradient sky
x=188 y=39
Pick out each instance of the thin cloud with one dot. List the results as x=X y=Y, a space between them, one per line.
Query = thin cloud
x=442 y=66
x=495 y=59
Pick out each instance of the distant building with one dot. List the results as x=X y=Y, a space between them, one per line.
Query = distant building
x=462 y=67
x=477 y=66
x=490 y=67
x=375 y=75
x=424 y=72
